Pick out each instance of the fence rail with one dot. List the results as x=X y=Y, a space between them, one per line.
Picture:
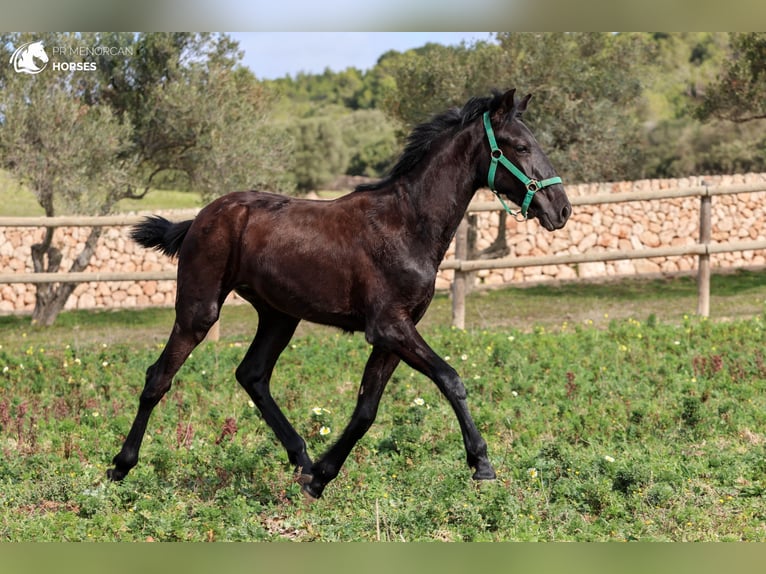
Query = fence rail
x=85 y=220
x=460 y=264
x=86 y=277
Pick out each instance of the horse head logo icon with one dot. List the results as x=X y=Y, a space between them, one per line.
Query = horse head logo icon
x=26 y=57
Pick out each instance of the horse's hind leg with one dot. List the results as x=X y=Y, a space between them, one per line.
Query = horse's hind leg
x=380 y=366
x=254 y=373
x=191 y=325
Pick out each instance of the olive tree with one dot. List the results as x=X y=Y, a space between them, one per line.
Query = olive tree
x=156 y=106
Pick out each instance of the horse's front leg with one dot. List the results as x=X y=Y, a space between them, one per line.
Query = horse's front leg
x=380 y=366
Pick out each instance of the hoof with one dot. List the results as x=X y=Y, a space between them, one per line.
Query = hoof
x=484 y=473
x=115 y=475
x=305 y=481
x=307 y=496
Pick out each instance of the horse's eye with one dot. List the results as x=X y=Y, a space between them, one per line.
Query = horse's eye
x=521 y=148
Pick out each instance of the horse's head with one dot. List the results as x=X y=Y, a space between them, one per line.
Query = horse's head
x=518 y=168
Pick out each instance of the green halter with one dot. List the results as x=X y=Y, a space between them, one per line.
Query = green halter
x=532 y=185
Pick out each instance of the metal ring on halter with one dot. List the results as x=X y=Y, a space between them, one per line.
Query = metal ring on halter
x=516 y=215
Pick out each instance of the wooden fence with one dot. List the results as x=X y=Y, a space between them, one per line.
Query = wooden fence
x=85 y=276
x=703 y=249
x=461 y=264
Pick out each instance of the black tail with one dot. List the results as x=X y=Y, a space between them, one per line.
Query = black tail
x=161 y=234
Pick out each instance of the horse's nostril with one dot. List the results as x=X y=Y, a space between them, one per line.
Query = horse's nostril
x=566 y=211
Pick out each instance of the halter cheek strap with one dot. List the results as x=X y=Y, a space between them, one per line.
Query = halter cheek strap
x=497 y=156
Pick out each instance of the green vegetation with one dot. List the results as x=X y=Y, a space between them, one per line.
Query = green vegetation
x=637 y=92
x=16 y=200
x=611 y=425
x=625 y=106
x=737 y=93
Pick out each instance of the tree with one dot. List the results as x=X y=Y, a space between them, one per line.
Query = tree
x=370 y=140
x=351 y=89
x=320 y=153
x=586 y=89
x=432 y=78
x=700 y=116
x=738 y=94
x=82 y=139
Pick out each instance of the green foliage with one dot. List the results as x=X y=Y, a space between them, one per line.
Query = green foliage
x=175 y=103
x=322 y=105
x=587 y=106
x=703 y=112
x=632 y=431
x=586 y=87
x=677 y=148
x=433 y=78
x=370 y=140
x=684 y=64
x=320 y=152
x=63 y=150
x=737 y=95
x=606 y=106
x=360 y=142
x=351 y=89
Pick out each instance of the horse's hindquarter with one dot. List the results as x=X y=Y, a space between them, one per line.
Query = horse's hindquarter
x=328 y=261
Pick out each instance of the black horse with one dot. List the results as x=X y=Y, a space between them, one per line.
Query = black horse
x=366 y=261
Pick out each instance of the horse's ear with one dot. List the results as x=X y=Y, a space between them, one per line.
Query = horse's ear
x=503 y=105
x=522 y=105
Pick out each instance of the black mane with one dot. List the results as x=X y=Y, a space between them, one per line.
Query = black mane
x=422 y=136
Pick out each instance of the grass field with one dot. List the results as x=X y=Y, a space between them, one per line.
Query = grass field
x=637 y=425
x=18 y=201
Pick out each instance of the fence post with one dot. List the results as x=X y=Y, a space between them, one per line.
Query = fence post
x=459 y=282
x=703 y=270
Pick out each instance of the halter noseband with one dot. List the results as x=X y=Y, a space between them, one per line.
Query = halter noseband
x=497 y=156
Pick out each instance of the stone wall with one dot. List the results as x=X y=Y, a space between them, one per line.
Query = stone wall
x=635 y=225
x=627 y=226
x=115 y=252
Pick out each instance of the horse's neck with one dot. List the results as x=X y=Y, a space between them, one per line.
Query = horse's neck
x=447 y=187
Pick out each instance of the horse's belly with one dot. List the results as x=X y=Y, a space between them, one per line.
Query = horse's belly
x=317 y=293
